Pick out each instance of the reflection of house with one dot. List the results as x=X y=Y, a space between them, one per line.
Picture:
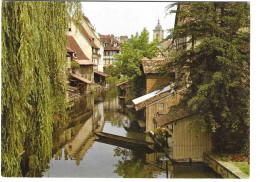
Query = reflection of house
x=111 y=48
x=83 y=140
x=151 y=69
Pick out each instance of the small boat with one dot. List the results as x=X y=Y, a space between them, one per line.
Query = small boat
x=123 y=140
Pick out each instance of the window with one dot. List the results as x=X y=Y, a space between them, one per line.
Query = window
x=110 y=53
x=160 y=108
x=93 y=39
x=69 y=29
x=115 y=44
x=160 y=105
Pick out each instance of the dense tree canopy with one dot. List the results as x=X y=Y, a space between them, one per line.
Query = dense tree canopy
x=129 y=61
x=219 y=62
x=33 y=80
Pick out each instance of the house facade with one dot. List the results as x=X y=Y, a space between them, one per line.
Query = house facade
x=112 y=47
x=154 y=78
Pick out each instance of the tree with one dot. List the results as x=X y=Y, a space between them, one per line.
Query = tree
x=218 y=66
x=129 y=61
x=33 y=80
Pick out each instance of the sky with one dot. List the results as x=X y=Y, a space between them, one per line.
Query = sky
x=127 y=18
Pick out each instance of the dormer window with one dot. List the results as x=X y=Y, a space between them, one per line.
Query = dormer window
x=115 y=44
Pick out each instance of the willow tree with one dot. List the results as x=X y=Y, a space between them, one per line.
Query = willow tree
x=218 y=62
x=33 y=79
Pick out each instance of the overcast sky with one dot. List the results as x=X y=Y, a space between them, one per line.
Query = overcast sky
x=127 y=18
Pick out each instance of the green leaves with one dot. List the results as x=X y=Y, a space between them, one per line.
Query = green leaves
x=129 y=61
x=33 y=80
x=218 y=64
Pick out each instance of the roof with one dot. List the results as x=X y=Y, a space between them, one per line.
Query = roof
x=88 y=37
x=151 y=97
x=69 y=50
x=80 y=78
x=153 y=65
x=101 y=73
x=110 y=39
x=85 y=62
x=73 y=46
x=158 y=26
x=172 y=116
x=86 y=19
x=122 y=83
x=155 y=96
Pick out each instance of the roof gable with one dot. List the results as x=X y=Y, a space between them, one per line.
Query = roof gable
x=73 y=46
x=153 y=65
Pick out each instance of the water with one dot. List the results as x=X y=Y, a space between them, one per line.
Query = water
x=77 y=153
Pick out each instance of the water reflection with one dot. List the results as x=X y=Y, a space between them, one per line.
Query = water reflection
x=78 y=153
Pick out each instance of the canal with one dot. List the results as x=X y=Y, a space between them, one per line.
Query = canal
x=78 y=153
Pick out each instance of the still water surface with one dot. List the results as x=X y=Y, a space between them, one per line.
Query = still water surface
x=77 y=153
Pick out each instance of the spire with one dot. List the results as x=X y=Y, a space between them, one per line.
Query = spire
x=158 y=26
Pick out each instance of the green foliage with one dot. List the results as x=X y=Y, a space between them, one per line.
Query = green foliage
x=74 y=65
x=112 y=80
x=129 y=61
x=219 y=67
x=112 y=70
x=33 y=80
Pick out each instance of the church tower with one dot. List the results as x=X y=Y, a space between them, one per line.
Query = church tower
x=158 y=32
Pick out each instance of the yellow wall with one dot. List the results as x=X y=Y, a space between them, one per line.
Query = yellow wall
x=152 y=110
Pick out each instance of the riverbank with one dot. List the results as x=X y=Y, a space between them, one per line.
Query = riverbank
x=226 y=169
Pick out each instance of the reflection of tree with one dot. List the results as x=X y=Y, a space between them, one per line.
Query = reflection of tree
x=111 y=93
x=130 y=165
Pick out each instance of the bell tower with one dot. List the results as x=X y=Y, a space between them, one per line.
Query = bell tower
x=158 y=32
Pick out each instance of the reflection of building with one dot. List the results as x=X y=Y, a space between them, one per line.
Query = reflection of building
x=111 y=48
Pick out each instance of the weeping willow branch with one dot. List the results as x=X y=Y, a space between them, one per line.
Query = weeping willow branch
x=33 y=79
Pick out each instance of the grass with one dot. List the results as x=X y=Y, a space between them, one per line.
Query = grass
x=243 y=166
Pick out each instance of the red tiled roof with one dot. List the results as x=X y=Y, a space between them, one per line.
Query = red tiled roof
x=72 y=45
x=85 y=62
x=80 y=78
x=88 y=37
x=86 y=19
x=101 y=73
x=69 y=50
x=152 y=65
x=110 y=39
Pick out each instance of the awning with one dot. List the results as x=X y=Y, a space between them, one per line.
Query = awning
x=101 y=73
x=80 y=78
